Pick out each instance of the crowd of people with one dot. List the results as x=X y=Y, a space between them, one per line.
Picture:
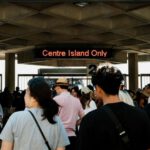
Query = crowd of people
x=104 y=115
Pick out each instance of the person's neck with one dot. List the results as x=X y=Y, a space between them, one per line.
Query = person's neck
x=111 y=99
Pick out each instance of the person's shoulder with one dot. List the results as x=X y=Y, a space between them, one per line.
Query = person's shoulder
x=19 y=113
x=147 y=107
x=136 y=112
x=17 y=116
x=95 y=114
x=92 y=102
x=57 y=97
x=57 y=119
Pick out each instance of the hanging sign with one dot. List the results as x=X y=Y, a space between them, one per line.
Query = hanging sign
x=72 y=53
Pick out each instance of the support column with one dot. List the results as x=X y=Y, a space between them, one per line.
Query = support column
x=133 y=71
x=10 y=71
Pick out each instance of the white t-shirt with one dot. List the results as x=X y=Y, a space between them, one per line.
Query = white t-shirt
x=148 y=100
x=92 y=106
x=22 y=130
x=125 y=97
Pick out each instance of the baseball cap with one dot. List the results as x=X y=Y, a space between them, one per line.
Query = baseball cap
x=85 y=90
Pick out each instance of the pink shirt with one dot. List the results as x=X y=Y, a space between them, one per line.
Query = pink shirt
x=70 y=111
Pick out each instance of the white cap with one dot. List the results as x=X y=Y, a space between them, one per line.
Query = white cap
x=85 y=90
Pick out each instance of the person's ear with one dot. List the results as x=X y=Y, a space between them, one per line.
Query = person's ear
x=99 y=90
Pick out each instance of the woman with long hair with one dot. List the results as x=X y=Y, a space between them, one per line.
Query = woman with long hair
x=21 y=131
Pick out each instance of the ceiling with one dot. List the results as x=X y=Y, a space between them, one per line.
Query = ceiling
x=123 y=26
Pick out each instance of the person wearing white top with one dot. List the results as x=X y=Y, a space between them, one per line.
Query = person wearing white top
x=87 y=103
x=125 y=97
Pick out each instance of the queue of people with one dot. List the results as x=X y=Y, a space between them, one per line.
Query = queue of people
x=80 y=119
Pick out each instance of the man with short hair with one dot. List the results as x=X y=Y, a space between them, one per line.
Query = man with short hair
x=70 y=110
x=99 y=131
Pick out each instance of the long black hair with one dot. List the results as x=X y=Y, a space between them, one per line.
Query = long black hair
x=40 y=90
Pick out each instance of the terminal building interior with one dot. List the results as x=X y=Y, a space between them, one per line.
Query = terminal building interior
x=121 y=25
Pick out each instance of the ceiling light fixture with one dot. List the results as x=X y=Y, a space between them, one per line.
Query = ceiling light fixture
x=81 y=4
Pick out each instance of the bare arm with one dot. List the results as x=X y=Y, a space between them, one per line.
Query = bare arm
x=60 y=148
x=7 y=145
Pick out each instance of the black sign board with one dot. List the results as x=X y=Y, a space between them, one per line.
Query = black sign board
x=95 y=53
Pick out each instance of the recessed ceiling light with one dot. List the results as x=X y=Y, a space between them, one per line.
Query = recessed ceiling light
x=81 y=4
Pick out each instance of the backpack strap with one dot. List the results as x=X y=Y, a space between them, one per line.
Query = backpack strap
x=46 y=142
x=120 y=130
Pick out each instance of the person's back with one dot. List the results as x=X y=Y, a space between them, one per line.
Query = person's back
x=70 y=109
x=27 y=135
x=21 y=131
x=103 y=135
x=147 y=109
x=116 y=125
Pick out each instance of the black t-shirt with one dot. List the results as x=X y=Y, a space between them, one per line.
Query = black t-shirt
x=147 y=109
x=97 y=130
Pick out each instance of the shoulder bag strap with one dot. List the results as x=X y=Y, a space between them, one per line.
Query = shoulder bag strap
x=46 y=142
x=121 y=131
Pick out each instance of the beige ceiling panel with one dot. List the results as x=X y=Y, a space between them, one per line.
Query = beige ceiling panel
x=11 y=12
x=129 y=32
x=1 y=23
x=136 y=31
x=65 y=10
x=13 y=30
x=42 y=21
x=38 y=6
x=130 y=42
x=125 y=21
x=73 y=11
x=47 y=38
x=109 y=36
x=38 y=36
x=127 y=5
x=145 y=38
x=91 y=38
x=144 y=47
x=98 y=10
x=76 y=30
x=2 y=37
x=19 y=42
x=100 y=22
x=73 y=40
x=142 y=12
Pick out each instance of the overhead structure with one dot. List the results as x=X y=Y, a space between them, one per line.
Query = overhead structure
x=121 y=25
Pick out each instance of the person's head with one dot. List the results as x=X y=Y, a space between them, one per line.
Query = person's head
x=141 y=98
x=85 y=96
x=107 y=81
x=90 y=87
x=61 y=85
x=75 y=91
x=17 y=88
x=146 y=90
x=38 y=95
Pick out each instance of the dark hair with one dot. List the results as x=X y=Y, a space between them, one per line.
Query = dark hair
x=85 y=99
x=76 y=89
x=39 y=89
x=90 y=87
x=147 y=86
x=109 y=79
